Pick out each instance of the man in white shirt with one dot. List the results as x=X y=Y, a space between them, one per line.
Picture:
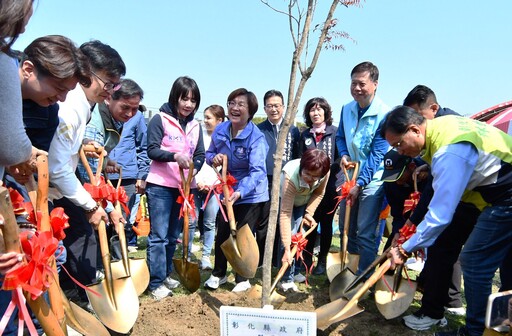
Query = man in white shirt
x=67 y=191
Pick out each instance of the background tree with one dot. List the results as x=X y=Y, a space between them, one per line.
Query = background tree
x=300 y=17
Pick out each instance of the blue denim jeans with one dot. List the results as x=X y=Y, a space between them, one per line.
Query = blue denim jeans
x=364 y=220
x=297 y=214
x=485 y=250
x=165 y=230
x=209 y=219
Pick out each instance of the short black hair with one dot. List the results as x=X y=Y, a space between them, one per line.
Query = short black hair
x=419 y=95
x=129 y=88
x=103 y=57
x=399 y=119
x=367 y=66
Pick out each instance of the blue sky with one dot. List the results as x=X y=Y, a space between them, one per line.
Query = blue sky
x=460 y=48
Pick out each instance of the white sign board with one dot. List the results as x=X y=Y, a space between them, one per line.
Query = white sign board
x=240 y=321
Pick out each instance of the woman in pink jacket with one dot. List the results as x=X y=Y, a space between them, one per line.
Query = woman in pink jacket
x=174 y=138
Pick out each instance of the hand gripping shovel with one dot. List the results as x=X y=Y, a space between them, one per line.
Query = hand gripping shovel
x=118 y=304
x=337 y=262
x=341 y=309
x=393 y=302
x=65 y=311
x=9 y=229
x=240 y=249
x=277 y=299
x=346 y=284
x=188 y=272
x=136 y=268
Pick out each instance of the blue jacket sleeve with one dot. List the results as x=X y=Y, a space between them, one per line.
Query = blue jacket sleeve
x=257 y=167
x=141 y=148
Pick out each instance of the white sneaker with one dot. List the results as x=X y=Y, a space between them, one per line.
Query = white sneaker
x=461 y=311
x=206 y=264
x=171 y=283
x=161 y=292
x=132 y=249
x=423 y=322
x=288 y=286
x=214 y=282
x=242 y=286
x=299 y=278
x=195 y=248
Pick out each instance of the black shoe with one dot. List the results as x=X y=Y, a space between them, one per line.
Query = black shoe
x=319 y=269
x=462 y=331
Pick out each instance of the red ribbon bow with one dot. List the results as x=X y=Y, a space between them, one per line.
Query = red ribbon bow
x=411 y=203
x=119 y=195
x=59 y=222
x=186 y=203
x=406 y=232
x=230 y=182
x=33 y=276
x=301 y=242
x=345 y=189
x=101 y=192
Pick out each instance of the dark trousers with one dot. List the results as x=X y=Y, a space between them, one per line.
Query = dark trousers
x=81 y=246
x=324 y=219
x=250 y=213
x=129 y=188
x=441 y=273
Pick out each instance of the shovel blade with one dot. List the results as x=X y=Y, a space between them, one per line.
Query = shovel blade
x=121 y=316
x=139 y=273
x=243 y=253
x=188 y=273
x=392 y=306
x=276 y=299
x=335 y=311
x=333 y=264
x=338 y=286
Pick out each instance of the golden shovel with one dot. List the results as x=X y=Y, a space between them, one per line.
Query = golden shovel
x=40 y=308
x=341 y=309
x=118 y=304
x=240 y=249
x=136 y=268
x=277 y=299
x=337 y=262
x=393 y=303
x=66 y=312
x=188 y=271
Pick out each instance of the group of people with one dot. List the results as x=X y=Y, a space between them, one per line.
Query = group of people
x=57 y=97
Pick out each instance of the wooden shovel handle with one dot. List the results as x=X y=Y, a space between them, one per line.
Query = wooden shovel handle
x=94 y=178
x=186 y=190
x=354 y=175
x=10 y=232
x=285 y=266
x=227 y=202
x=370 y=282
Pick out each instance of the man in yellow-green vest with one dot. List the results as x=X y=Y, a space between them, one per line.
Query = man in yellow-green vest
x=471 y=162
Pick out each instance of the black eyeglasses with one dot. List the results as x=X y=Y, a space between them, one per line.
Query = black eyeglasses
x=108 y=86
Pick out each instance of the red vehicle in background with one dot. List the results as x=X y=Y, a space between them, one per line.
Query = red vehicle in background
x=499 y=116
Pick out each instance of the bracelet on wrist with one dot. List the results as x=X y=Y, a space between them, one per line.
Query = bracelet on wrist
x=403 y=253
x=93 y=209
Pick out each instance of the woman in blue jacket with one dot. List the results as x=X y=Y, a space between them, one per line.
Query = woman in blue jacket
x=246 y=149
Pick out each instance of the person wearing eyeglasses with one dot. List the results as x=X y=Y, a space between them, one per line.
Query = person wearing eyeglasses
x=303 y=185
x=470 y=162
x=174 y=139
x=66 y=189
x=274 y=108
x=321 y=134
x=358 y=139
x=246 y=149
